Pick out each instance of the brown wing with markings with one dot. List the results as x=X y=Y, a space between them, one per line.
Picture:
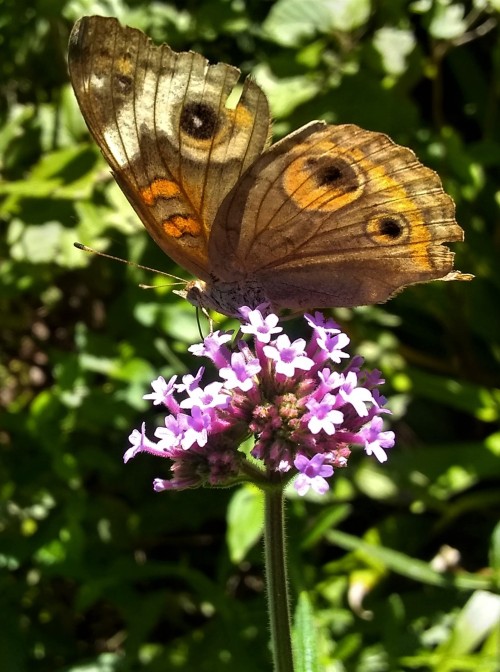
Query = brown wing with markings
x=335 y=216
x=162 y=121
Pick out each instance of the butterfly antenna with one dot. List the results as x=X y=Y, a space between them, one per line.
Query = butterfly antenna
x=170 y=284
x=91 y=250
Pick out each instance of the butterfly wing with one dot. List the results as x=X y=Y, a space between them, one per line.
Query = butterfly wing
x=162 y=121
x=335 y=216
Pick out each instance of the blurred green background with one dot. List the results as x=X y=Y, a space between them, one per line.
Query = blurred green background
x=401 y=561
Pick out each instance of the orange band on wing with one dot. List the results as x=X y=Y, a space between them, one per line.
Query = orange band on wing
x=311 y=187
x=401 y=201
x=419 y=235
x=160 y=188
x=181 y=225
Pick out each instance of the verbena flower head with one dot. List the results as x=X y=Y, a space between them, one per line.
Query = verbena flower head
x=304 y=402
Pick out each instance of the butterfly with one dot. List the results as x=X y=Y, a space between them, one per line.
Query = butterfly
x=328 y=216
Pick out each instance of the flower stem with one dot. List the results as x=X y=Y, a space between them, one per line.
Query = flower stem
x=276 y=579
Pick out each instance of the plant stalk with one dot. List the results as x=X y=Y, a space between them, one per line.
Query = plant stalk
x=276 y=580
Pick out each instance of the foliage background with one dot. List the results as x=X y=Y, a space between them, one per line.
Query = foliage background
x=401 y=563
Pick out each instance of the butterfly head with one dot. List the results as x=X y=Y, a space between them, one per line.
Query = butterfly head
x=226 y=298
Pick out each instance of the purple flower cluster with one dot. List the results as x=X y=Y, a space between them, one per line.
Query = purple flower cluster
x=304 y=415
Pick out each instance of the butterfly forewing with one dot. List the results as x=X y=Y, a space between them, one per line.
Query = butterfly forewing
x=162 y=122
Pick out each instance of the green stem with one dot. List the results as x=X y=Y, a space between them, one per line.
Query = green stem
x=276 y=579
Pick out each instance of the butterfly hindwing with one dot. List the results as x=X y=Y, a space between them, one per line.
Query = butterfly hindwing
x=335 y=215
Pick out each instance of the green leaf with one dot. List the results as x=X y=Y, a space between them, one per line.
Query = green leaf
x=245 y=521
x=480 y=401
x=37 y=244
x=495 y=548
x=479 y=617
x=106 y=662
x=448 y=20
x=305 y=640
x=394 y=45
x=60 y=174
x=287 y=93
x=406 y=565
x=293 y=22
